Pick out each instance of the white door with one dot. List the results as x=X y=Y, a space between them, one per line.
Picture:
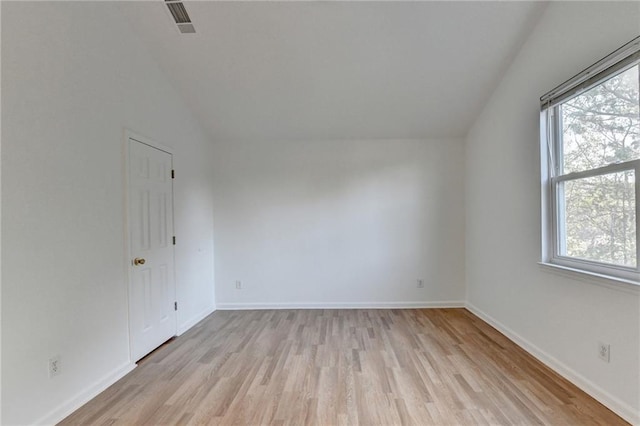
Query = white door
x=152 y=291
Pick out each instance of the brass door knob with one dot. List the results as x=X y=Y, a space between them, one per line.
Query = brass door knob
x=138 y=261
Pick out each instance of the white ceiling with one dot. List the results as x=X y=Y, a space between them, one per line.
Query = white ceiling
x=336 y=70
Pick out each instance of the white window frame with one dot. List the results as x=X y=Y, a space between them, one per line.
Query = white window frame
x=628 y=56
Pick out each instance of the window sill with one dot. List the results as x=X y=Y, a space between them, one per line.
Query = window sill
x=614 y=283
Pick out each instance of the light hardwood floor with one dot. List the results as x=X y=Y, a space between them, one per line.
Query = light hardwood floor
x=343 y=367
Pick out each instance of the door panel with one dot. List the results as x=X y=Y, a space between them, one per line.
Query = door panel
x=152 y=291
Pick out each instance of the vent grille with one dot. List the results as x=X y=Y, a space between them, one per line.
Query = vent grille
x=180 y=15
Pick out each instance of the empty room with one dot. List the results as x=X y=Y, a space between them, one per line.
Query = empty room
x=320 y=212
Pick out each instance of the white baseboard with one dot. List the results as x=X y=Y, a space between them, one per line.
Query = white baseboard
x=182 y=328
x=619 y=407
x=342 y=305
x=85 y=396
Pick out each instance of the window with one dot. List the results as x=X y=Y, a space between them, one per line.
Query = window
x=590 y=146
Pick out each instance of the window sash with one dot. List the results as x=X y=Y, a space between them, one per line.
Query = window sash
x=555 y=242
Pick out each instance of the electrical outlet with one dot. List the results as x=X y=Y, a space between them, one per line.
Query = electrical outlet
x=238 y=285
x=54 y=366
x=420 y=284
x=604 y=351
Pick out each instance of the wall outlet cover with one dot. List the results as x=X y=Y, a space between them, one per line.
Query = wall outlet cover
x=604 y=351
x=54 y=366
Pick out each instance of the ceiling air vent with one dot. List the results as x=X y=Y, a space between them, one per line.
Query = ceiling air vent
x=181 y=16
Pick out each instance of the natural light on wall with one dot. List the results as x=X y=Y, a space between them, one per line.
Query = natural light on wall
x=590 y=149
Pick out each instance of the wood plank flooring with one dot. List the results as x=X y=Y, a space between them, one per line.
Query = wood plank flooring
x=342 y=367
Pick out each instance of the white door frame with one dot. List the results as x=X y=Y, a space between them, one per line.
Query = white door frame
x=129 y=134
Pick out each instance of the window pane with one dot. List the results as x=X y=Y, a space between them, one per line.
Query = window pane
x=598 y=219
x=602 y=125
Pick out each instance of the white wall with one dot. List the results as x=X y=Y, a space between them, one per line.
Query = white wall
x=73 y=77
x=339 y=223
x=560 y=318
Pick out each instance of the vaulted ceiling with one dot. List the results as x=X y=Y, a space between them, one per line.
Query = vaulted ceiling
x=336 y=70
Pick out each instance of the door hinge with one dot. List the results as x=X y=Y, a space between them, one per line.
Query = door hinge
x=173 y=174
x=174 y=240
x=175 y=306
